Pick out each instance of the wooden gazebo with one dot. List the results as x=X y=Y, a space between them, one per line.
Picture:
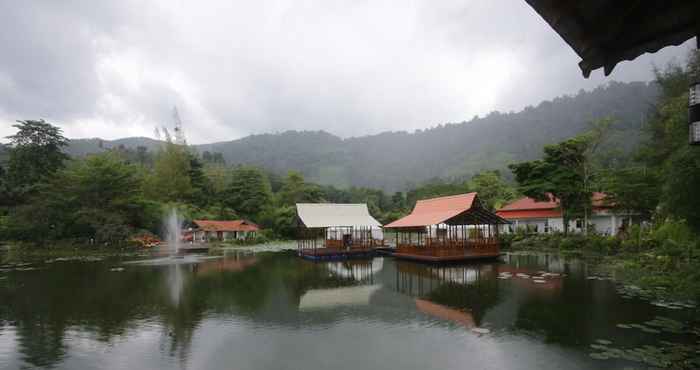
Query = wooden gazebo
x=452 y=228
x=332 y=230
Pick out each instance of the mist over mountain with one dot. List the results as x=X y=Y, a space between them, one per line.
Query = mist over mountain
x=399 y=160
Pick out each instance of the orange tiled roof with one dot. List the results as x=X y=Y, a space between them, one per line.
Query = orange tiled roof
x=527 y=207
x=435 y=211
x=235 y=225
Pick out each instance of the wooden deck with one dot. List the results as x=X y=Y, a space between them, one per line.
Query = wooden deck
x=435 y=254
x=333 y=253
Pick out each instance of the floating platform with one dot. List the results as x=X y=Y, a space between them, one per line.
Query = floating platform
x=385 y=251
x=326 y=254
x=446 y=255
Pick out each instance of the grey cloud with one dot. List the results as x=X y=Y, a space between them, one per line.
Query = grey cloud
x=352 y=68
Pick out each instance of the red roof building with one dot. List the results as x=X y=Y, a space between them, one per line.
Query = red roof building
x=224 y=230
x=230 y=226
x=527 y=207
x=546 y=216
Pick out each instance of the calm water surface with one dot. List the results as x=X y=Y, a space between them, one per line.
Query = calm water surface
x=274 y=311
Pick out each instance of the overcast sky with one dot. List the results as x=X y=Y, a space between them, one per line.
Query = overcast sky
x=116 y=69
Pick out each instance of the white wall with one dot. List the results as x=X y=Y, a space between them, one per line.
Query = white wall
x=604 y=223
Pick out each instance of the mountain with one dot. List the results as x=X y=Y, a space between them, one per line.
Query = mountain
x=400 y=160
x=81 y=147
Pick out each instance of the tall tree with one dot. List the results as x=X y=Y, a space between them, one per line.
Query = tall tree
x=170 y=179
x=633 y=189
x=202 y=187
x=560 y=174
x=36 y=153
x=493 y=191
x=249 y=192
x=296 y=190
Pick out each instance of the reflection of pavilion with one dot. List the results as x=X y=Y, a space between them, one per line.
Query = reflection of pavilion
x=461 y=294
x=461 y=317
x=236 y=264
x=419 y=280
x=357 y=270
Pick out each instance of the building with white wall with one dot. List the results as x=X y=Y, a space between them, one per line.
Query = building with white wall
x=546 y=216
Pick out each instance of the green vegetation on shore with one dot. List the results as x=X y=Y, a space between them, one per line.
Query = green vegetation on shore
x=48 y=198
x=658 y=183
x=665 y=256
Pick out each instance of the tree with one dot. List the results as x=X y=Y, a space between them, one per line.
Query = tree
x=280 y=219
x=559 y=174
x=665 y=155
x=296 y=190
x=249 y=192
x=202 y=188
x=98 y=197
x=591 y=169
x=36 y=154
x=493 y=191
x=398 y=201
x=170 y=180
x=634 y=189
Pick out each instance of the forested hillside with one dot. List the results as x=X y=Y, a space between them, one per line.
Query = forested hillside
x=400 y=160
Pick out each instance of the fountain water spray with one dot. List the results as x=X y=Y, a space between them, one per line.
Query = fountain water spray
x=173 y=230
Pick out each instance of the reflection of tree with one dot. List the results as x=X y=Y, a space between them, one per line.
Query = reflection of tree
x=569 y=317
x=102 y=304
x=40 y=341
x=43 y=304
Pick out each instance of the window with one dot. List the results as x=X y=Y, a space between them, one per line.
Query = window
x=579 y=224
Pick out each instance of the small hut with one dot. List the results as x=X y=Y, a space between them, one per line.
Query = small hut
x=331 y=230
x=444 y=229
x=207 y=230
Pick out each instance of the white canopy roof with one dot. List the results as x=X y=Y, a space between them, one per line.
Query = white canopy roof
x=316 y=215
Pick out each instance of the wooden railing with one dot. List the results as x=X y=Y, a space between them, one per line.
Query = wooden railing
x=486 y=246
x=365 y=243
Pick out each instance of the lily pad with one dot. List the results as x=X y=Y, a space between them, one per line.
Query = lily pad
x=599 y=356
x=603 y=341
x=481 y=330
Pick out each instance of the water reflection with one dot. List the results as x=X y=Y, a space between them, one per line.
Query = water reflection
x=254 y=310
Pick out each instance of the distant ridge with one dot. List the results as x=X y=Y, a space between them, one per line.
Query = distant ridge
x=399 y=160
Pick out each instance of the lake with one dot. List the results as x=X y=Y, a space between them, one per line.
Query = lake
x=272 y=310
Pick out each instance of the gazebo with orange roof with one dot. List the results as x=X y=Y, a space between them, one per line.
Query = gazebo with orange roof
x=444 y=229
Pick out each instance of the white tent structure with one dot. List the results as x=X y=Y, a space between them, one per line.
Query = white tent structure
x=335 y=216
x=342 y=226
x=324 y=215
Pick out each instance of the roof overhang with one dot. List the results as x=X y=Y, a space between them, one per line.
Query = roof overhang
x=606 y=32
x=470 y=211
